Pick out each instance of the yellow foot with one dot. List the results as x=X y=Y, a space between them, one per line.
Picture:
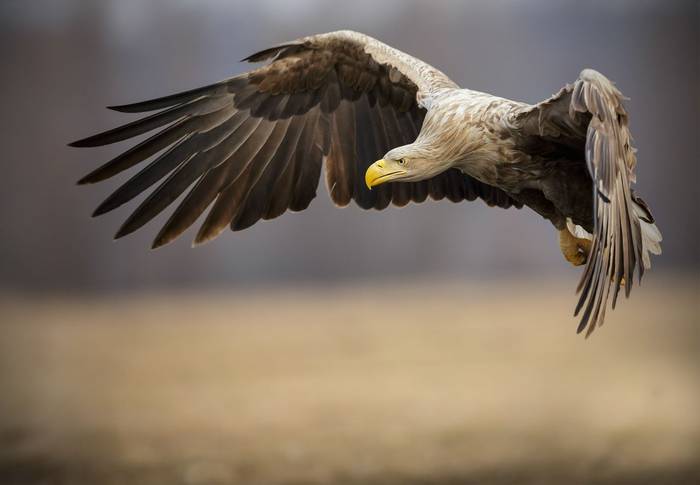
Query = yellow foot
x=575 y=250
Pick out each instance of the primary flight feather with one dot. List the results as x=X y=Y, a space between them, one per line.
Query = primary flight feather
x=251 y=147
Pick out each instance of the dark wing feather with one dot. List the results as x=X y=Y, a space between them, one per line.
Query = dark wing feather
x=252 y=146
x=624 y=232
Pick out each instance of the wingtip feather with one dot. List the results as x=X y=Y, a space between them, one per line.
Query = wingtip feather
x=127 y=228
x=125 y=108
x=84 y=181
x=206 y=234
x=163 y=238
x=103 y=208
x=201 y=239
x=88 y=142
x=158 y=243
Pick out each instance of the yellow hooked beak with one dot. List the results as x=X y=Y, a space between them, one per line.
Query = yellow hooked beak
x=381 y=171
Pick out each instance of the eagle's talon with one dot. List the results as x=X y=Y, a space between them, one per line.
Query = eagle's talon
x=578 y=259
x=575 y=250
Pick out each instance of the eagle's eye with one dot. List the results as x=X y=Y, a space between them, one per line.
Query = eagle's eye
x=402 y=161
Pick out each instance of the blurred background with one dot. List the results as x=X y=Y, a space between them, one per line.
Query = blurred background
x=430 y=344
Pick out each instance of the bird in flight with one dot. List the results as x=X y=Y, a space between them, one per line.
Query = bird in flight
x=251 y=147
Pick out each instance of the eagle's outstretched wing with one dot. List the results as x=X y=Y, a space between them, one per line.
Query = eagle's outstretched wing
x=590 y=111
x=252 y=146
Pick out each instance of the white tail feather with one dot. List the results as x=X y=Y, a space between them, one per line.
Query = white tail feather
x=651 y=236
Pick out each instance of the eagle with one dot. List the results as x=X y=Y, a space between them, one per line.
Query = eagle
x=253 y=146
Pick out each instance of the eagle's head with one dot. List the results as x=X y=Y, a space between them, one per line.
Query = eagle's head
x=408 y=163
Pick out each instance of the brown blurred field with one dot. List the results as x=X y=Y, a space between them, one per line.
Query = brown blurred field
x=390 y=383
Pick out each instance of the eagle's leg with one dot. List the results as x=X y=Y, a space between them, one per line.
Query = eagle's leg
x=574 y=249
